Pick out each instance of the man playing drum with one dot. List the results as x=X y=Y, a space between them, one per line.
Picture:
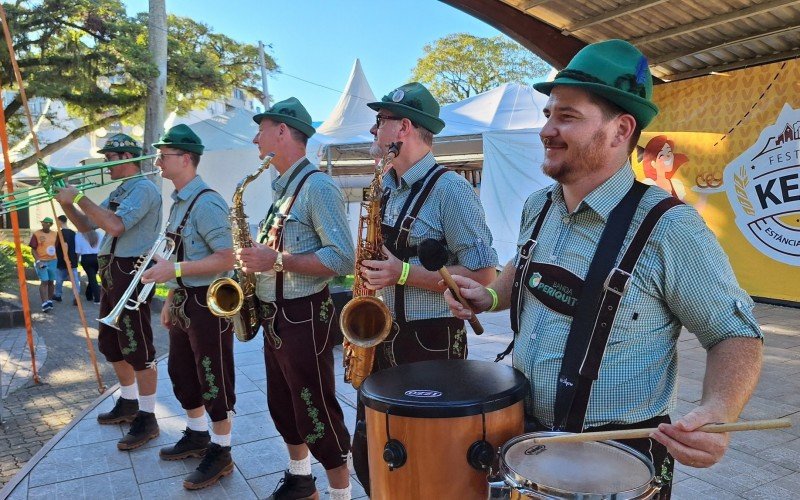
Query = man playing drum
x=131 y=219
x=303 y=242
x=200 y=344
x=421 y=200
x=599 y=276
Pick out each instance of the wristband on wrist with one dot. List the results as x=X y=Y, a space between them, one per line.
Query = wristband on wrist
x=404 y=273
x=78 y=197
x=177 y=269
x=495 y=300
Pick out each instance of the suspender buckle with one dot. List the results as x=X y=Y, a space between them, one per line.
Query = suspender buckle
x=527 y=249
x=617 y=281
x=408 y=221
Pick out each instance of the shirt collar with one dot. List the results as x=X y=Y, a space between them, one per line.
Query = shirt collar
x=604 y=197
x=282 y=181
x=413 y=174
x=189 y=189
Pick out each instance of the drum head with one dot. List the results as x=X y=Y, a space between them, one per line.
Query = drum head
x=443 y=389
x=594 y=468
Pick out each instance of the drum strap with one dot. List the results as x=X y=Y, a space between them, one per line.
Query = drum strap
x=605 y=287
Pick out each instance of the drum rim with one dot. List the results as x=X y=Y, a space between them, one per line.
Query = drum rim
x=434 y=409
x=516 y=480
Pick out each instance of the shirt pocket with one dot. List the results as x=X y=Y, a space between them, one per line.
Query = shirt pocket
x=424 y=228
x=297 y=236
x=194 y=246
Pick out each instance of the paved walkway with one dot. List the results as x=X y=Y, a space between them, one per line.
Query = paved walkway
x=15 y=359
x=82 y=460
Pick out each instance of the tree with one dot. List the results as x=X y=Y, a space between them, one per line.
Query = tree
x=93 y=57
x=461 y=65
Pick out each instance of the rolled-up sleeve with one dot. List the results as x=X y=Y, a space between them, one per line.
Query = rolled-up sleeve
x=330 y=223
x=700 y=287
x=135 y=206
x=465 y=229
x=211 y=220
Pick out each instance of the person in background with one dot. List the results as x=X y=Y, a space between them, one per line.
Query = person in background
x=62 y=274
x=43 y=246
x=86 y=245
x=602 y=354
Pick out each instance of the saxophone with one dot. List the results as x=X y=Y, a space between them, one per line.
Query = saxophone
x=365 y=320
x=236 y=298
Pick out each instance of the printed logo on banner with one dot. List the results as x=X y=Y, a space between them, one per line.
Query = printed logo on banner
x=763 y=186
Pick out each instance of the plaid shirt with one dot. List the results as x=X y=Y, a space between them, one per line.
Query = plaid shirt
x=316 y=224
x=452 y=213
x=139 y=207
x=683 y=278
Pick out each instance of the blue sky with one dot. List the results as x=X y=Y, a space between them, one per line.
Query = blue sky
x=318 y=40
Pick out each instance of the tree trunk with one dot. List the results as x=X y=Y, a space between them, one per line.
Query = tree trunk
x=157 y=87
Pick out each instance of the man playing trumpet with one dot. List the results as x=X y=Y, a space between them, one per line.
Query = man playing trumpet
x=131 y=219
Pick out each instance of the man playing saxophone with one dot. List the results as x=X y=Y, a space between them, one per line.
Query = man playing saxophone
x=421 y=200
x=131 y=219
x=200 y=344
x=303 y=242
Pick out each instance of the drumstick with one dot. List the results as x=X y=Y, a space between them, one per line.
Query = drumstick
x=752 y=425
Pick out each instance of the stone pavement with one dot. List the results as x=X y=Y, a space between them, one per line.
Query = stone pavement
x=15 y=359
x=82 y=460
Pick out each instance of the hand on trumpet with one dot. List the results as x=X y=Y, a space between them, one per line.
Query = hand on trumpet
x=161 y=271
x=65 y=195
x=257 y=258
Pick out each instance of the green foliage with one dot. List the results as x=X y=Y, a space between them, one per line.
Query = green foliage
x=161 y=291
x=345 y=282
x=8 y=262
x=461 y=65
x=93 y=57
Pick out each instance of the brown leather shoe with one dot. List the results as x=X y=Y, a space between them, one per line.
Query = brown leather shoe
x=124 y=411
x=295 y=487
x=217 y=463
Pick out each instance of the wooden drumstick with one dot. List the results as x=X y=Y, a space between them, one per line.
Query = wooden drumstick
x=752 y=425
x=433 y=257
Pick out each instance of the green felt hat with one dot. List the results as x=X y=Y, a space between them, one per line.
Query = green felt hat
x=415 y=102
x=47 y=219
x=292 y=113
x=181 y=137
x=614 y=70
x=121 y=143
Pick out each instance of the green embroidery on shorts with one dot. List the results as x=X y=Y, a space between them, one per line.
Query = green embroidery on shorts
x=460 y=342
x=325 y=310
x=104 y=264
x=313 y=413
x=130 y=333
x=177 y=310
x=213 y=390
x=665 y=475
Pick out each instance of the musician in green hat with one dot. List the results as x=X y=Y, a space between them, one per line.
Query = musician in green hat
x=200 y=344
x=131 y=219
x=608 y=272
x=422 y=200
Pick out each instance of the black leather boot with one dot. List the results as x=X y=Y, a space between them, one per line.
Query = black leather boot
x=216 y=463
x=143 y=428
x=192 y=444
x=124 y=411
x=295 y=487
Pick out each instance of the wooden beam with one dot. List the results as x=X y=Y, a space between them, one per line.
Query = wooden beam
x=714 y=20
x=537 y=36
x=608 y=16
x=671 y=56
x=744 y=63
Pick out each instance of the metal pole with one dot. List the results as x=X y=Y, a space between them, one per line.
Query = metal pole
x=1 y=395
x=264 y=86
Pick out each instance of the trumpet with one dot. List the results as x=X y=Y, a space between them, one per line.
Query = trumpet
x=53 y=178
x=164 y=247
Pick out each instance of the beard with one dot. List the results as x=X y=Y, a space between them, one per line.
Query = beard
x=376 y=150
x=585 y=158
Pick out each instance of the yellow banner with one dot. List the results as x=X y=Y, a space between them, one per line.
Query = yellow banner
x=729 y=145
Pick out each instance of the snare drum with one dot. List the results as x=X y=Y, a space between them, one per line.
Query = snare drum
x=588 y=471
x=433 y=426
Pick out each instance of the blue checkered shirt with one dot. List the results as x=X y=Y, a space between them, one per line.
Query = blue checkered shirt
x=316 y=224
x=683 y=278
x=452 y=213
x=140 y=211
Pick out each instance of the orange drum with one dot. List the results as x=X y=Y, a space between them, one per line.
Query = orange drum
x=434 y=427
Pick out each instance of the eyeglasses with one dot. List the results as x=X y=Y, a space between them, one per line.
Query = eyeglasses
x=160 y=155
x=380 y=117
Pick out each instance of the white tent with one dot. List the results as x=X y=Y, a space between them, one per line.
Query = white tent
x=350 y=120
x=228 y=157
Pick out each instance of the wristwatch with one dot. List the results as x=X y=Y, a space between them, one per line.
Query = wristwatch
x=278 y=266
